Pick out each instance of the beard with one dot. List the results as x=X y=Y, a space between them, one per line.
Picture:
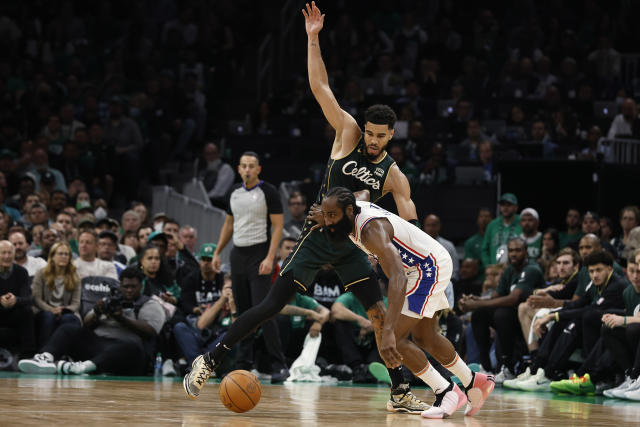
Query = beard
x=372 y=157
x=340 y=230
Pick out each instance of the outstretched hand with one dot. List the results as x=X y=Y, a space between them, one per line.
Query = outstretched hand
x=313 y=19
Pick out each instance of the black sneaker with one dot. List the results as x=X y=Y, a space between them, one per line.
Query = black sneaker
x=279 y=377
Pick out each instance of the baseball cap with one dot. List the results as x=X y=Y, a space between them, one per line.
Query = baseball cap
x=530 y=211
x=110 y=234
x=207 y=250
x=509 y=198
x=47 y=178
x=160 y=215
x=108 y=221
x=157 y=235
x=86 y=221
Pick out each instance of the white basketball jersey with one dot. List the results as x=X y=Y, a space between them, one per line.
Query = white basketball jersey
x=416 y=248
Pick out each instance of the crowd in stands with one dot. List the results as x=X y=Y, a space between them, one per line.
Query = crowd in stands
x=96 y=98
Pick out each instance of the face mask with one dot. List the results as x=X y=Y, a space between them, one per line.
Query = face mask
x=158 y=226
x=100 y=213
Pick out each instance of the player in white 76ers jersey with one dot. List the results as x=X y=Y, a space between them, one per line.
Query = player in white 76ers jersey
x=419 y=269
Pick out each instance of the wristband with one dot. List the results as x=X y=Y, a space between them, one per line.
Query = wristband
x=557 y=317
x=415 y=222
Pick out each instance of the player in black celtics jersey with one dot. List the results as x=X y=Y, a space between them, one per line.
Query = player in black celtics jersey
x=366 y=169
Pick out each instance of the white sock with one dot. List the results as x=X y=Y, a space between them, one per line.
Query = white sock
x=460 y=370
x=432 y=378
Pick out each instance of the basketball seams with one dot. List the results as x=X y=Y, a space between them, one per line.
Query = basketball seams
x=241 y=388
x=251 y=378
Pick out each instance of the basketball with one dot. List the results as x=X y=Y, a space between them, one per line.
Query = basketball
x=240 y=391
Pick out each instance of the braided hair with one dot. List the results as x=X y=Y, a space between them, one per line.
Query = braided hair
x=344 y=197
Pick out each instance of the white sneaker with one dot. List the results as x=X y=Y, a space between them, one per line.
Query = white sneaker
x=537 y=382
x=195 y=380
x=632 y=390
x=513 y=384
x=624 y=386
x=503 y=375
x=75 y=368
x=42 y=363
x=633 y=394
x=168 y=370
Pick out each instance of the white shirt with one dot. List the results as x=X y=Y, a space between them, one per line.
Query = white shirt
x=127 y=251
x=619 y=126
x=97 y=267
x=33 y=264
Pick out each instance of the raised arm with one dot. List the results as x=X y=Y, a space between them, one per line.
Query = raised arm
x=339 y=119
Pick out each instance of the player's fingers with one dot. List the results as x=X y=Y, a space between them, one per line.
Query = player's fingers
x=306 y=16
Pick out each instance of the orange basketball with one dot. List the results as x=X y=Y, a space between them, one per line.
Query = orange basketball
x=240 y=391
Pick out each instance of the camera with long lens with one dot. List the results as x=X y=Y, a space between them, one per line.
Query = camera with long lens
x=114 y=303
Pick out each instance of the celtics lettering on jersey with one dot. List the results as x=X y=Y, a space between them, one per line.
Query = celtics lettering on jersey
x=356 y=172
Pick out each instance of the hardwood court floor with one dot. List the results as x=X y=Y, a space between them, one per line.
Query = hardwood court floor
x=79 y=401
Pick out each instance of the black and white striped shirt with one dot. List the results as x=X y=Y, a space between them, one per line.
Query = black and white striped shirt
x=250 y=208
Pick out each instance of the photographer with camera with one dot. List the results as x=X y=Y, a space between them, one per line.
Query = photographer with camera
x=208 y=302
x=118 y=337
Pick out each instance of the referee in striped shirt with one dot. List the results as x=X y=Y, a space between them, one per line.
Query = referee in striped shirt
x=253 y=206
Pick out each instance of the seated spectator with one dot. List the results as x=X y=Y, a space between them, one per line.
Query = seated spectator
x=620 y=333
x=64 y=226
x=107 y=247
x=567 y=263
x=32 y=264
x=485 y=156
x=38 y=215
x=539 y=135
x=517 y=282
x=131 y=221
x=130 y=239
x=591 y=225
x=354 y=336
x=284 y=249
x=577 y=323
x=302 y=316
x=473 y=245
x=500 y=230
x=40 y=167
x=431 y=226
x=297 y=210
x=48 y=237
x=573 y=233
x=15 y=301
x=606 y=229
x=118 y=336
x=142 y=211
x=158 y=279
x=589 y=244
x=529 y=222
x=407 y=167
x=179 y=258
x=189 y=237
x=550 y=247
x=469 y=146
x=217 y=176
x=626 y=123
x=88 y=264
x=629 y=219
x=56 y=293
x=208 y=302
x=469 y=283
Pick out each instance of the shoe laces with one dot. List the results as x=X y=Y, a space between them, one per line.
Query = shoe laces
x=203 y=373
x=41 y=357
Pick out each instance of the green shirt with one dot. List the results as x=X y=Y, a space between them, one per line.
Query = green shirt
x=584 y=279
x=631 y=299
x=534 y=245
x=528 y=279
x=301 y=301
x=496 y=237
x=351 y=302
x=564 y=238
x=473 y=247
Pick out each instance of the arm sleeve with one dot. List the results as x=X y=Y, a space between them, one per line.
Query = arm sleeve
x=152 y=313
x=274 y=205
x=23 y=297
x=36 y=290
x=227 y=198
